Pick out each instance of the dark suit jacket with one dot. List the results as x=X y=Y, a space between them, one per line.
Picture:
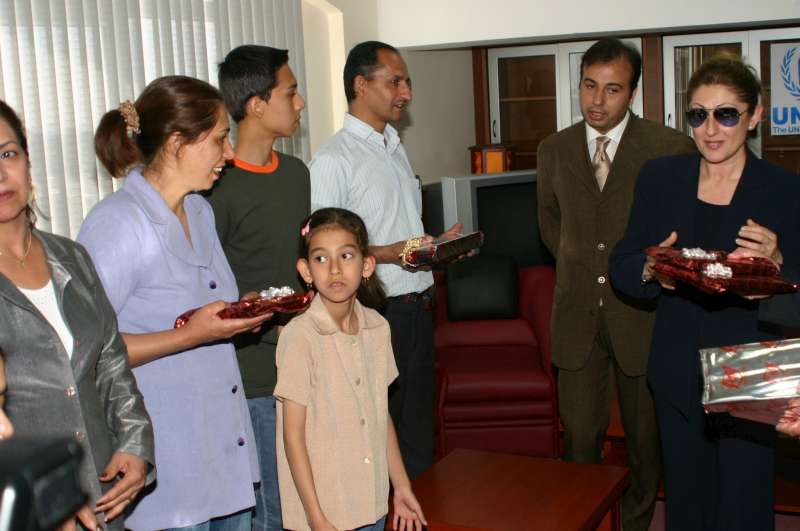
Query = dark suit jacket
x=665 y=200
x=783 y=310
x=94 y=393
x=580 y=225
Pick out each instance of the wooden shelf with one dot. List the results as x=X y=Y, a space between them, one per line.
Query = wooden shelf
x=519 y=99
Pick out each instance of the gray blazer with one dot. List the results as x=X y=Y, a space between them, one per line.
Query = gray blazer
x=93 y=397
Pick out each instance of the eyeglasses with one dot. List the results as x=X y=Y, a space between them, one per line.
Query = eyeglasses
x=725 y=116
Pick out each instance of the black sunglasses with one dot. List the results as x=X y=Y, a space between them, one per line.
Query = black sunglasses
x=725 y=116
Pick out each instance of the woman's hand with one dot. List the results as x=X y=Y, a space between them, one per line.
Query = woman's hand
x=790 y=421
x=85 y=516
x=132 y=471
x=648 y=274
x=322 y=525
x=205 y=325
x=756 y=240
x=407 y=511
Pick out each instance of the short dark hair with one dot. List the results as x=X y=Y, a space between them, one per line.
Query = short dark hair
x=730 y=71
x=362 y=61
x=247 y=71
x=370 y=292
x=607 y=50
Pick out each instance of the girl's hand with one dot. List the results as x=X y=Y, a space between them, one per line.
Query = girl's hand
x=85 y=516
x=205 y=325
x=755 y=240
x=648 y=274
x=407 y=511
x=133 y=471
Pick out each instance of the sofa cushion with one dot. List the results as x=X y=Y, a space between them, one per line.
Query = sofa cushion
x=482 y=287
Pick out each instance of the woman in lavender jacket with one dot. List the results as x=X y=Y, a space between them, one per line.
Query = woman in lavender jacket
x=158 y=255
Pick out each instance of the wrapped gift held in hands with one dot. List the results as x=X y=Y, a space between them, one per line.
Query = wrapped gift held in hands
x=418 y=252
x=754 y=381
x=272 y=300
x=716 y=272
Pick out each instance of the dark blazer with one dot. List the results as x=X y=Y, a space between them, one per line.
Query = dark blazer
x=783 y=310
x=665 y=200
x=92 y=396
x=580 y=225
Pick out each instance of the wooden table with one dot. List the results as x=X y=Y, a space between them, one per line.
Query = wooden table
x=470 y=490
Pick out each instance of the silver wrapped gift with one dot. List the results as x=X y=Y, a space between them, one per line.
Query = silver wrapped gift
x=755 y=380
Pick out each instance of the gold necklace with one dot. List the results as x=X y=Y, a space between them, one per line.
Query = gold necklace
x=21 y=261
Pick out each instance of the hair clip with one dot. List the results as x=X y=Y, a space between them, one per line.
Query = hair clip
x=306 y=229
x=131 y=118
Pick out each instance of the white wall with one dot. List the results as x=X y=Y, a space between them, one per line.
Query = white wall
x=440 y=125
x=437 y=23
x=323 y=42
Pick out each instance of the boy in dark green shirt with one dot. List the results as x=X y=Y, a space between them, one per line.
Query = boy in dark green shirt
x=259 y=203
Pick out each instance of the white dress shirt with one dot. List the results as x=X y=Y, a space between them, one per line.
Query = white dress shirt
x=369 y=173
x=44 y=299
x=614 y=136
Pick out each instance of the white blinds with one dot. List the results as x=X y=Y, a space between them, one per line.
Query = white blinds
x=64 y=63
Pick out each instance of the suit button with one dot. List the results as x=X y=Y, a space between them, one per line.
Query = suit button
x=80 y=436
x=601 y=246
x=363 y=422
x=70 y=391
x=212 y=285
x=240 y=441
x=234 y=389
x=366 y=460
x=358 y=381
x=601 y=279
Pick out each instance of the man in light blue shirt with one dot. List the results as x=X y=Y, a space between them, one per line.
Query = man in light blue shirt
x=364 y=168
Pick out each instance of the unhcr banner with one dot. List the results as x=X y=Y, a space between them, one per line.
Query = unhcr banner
x=785 y=88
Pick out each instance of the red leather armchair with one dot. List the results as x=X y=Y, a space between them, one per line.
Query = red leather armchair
x=496 y=387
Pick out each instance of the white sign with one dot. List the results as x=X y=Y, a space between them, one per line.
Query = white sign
x=785 y=87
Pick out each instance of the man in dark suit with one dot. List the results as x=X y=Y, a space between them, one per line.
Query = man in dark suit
x=586 y=177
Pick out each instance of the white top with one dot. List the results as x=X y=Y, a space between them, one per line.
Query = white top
x=615 y=135
x=369 y=173
x=45 y=301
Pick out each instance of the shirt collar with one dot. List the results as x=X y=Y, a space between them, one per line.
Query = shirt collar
x=615 y=135
x=325 y=324
x=388 y=141
x=150 y=200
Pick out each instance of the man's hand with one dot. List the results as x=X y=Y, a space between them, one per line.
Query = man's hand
x=132 y=471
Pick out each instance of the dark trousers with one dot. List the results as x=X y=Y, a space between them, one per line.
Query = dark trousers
x=584 y=398
x=411 y=396
x=716 y=481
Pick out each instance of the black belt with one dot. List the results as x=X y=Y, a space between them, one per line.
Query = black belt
x=413 y=298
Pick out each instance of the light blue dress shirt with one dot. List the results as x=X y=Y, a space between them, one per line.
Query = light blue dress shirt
x=205 y=451
x=368 y=173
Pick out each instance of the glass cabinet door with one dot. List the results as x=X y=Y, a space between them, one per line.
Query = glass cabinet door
x=523 y=99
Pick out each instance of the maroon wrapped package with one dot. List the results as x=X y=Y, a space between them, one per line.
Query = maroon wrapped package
x=441 y=249
x=716 y=272
x=272 y=300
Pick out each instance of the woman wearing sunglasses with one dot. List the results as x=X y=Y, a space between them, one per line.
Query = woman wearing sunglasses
x=718 y=470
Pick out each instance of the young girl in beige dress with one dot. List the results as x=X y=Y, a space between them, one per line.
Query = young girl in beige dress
x=337 y=448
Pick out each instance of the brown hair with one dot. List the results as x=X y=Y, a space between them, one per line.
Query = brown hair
x=370 y=291
x=168 y=105
x=730 y=71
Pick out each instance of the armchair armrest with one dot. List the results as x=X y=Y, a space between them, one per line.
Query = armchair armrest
x=536 y=286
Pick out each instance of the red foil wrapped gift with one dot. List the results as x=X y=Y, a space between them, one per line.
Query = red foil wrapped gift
x=716 y=272
x=754 y=381
x=272 y=300
x=443 y=250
